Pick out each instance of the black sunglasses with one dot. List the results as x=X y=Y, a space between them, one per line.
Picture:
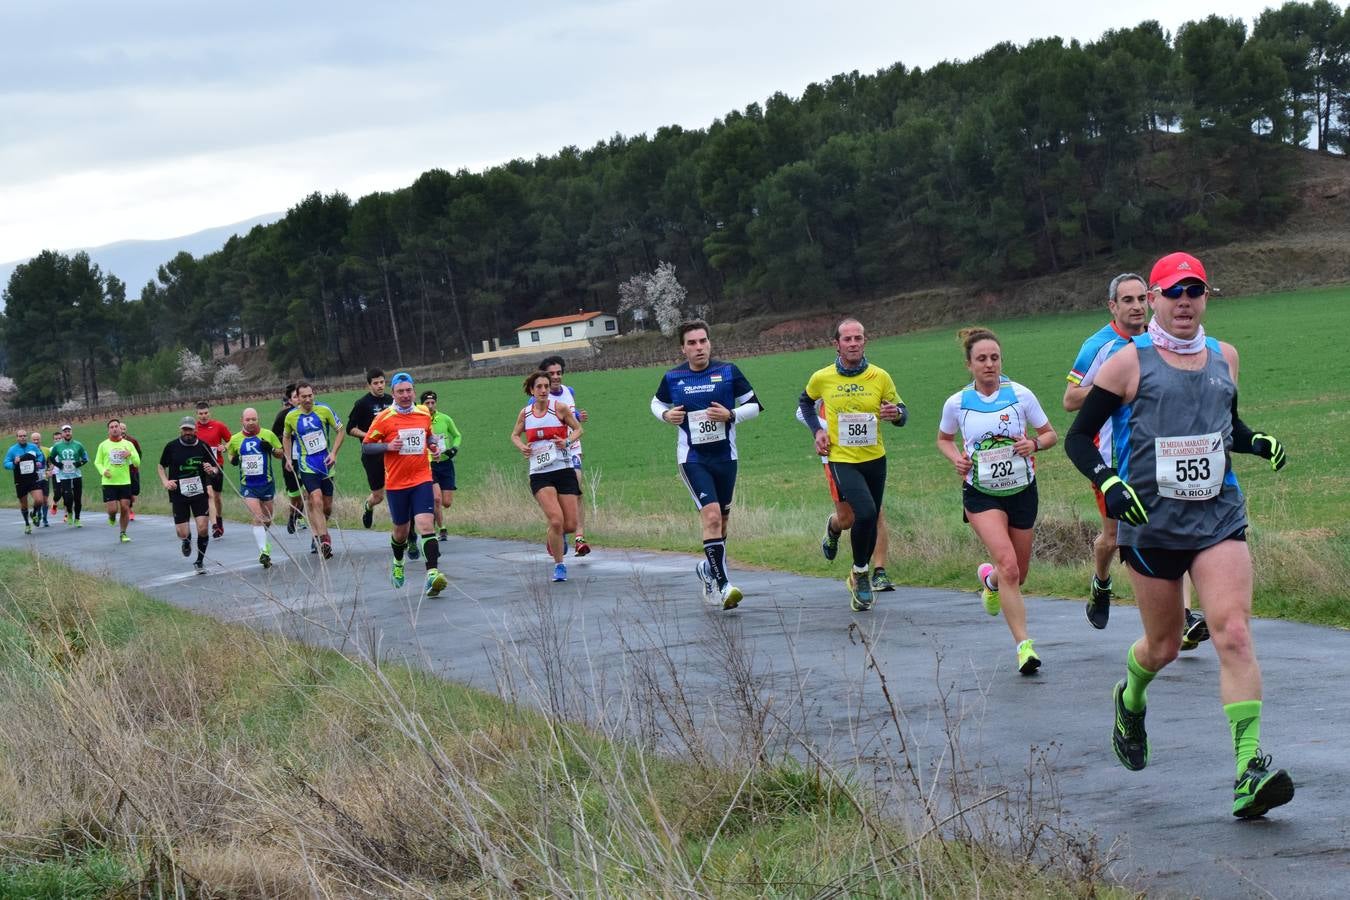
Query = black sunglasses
x=1193 y=290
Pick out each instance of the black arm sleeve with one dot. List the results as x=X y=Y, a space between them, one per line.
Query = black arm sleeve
x=1242 y=434
x=808 y=408
x=1078 y=443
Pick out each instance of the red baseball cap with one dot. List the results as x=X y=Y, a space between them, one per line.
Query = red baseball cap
x=1176 y=267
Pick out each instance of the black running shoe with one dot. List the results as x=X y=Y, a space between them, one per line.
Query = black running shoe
x=186 y=547
x=1128 y=736
x=200 y=566
x=881 y=581
x=326 y=549
x=414 y=552
x=829 y=544
x=290 y=523
x=1260 y=790
x=367 y=516
x=1099 y=606
x=1194 y=631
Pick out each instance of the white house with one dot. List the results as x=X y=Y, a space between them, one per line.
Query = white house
x=565 y=329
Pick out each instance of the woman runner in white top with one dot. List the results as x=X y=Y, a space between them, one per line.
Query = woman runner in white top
x=1002 y=426
x=542 y=433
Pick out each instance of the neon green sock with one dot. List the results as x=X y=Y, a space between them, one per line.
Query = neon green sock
x=1136 y=683
x=1244 y=719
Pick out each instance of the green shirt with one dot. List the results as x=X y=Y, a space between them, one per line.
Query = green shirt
x=313 y=434
x=447 y=435
x=67 y=457
x=114 y=460
x=252 y=453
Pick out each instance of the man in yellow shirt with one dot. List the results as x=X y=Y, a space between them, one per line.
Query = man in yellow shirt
x=857 y=396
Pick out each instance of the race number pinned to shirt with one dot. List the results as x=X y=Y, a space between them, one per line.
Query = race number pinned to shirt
x=27 y=466
x=118 y=457
x=543 y=457
x=999 y=470
x=190 y=487
x=414 y=441
x=857 y=429
x=68 y=466
x=703 y=430
x=251 y=464
x=1190 y=467
x=314 y=441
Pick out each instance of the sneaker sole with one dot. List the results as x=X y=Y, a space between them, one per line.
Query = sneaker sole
x=434 y=589
x=1116 y=694
x=1097 y=610
x=733 y=598
x=583 y=550
x=1030 y=666
x=1277 y=791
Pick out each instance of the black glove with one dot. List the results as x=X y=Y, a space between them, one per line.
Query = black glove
x=1267 y=447
x=1122 y=502
x=452 y=451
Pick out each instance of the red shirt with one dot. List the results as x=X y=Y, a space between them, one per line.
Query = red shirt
x=213 y=434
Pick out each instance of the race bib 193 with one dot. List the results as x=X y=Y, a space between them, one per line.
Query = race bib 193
x=703 y=430
x=414 y=441
x=1190 y=467
x=857 y=429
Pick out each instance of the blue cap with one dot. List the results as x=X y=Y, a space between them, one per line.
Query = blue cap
x=401 y=378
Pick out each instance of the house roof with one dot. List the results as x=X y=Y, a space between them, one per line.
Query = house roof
x=559 y=320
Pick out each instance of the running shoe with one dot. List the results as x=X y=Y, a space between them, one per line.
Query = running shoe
x=313 y=545
x=881 y=581
x=367 y=515
x=859 y=590
x=396 y=574
x=79 y=524
x=326 y=548
x=1128 y=736
x=1260 y=790
x=436 y=582
x=290 y=523
x=704 y=574
x=301 y=522
x=53 y=509
x=199 y=566
x=442 y=535
x=560 y=572
x=992 y=604
x=45 y=523
x=185 y=547
x=731 y=596
x=1027 y=660
x=265 y=559
x=1099 y=604
x=1194 y=631
x=27 y=529
x=112 y=520
x=414 y=552
x=581 y=547
x=125 y=538
x=829 y=544
x=218 y=529
x=131 y=516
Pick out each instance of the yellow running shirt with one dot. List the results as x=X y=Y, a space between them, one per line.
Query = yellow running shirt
x=852 y=410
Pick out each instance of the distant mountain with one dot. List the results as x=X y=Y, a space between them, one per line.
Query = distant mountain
x=136 y=262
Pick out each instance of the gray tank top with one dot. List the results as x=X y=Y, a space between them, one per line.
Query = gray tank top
x=1174 y=453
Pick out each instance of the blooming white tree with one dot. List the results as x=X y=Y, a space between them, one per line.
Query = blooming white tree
x=659 y=292
x=7 y=386
x=192 y=369
x=228 y=377
x=72 y=405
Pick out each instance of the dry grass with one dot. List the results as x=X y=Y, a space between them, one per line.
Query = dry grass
x=218 y=762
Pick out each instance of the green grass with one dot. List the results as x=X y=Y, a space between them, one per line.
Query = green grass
x=1300 y=530
x=185 y=755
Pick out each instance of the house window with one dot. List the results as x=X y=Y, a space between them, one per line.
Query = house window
x=567 y=331
x=534 y=336
x=610 y=325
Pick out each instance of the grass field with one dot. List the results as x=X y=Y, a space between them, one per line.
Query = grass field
x=1300 y=534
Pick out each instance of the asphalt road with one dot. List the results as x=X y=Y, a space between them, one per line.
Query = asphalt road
x=627 y=643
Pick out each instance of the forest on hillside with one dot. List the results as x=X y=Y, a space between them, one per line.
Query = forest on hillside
x=1023 y=161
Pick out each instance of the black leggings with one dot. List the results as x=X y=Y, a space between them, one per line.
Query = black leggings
x=72 y=493
x=862 y=486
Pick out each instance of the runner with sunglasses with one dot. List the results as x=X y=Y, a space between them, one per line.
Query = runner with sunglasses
x=1180 y=510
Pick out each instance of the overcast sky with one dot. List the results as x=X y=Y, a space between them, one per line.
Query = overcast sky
x=155 y=119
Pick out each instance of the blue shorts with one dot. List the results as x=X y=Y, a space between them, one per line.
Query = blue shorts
x=404 y=503
x=262 y=492
x=710 y=482
x=313 y=481
x=443 y=473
